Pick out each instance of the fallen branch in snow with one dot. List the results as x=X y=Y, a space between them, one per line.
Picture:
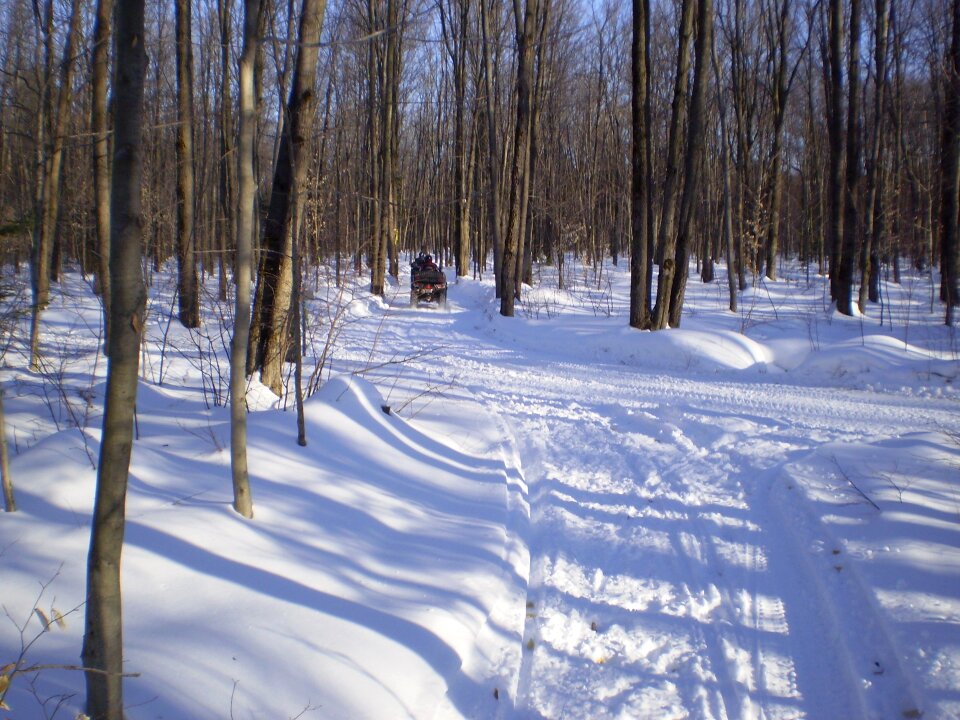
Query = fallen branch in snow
x=401 y=360
x=852 y=483
x=20 y=666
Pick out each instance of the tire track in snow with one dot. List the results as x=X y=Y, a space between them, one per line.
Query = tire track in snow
x=706 y=665
x=662 y=583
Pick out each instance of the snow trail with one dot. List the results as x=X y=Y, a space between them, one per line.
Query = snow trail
x=665 y=580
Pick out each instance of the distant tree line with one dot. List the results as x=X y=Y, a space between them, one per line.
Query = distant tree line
x=499 y=134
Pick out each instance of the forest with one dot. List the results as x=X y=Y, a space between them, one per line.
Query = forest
x=741 y=131
x=267 y=153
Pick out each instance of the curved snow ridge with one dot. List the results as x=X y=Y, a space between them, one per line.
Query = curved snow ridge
x=884 y=362
x=380 y=555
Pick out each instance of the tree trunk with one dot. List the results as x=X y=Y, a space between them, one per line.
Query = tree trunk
x=521 y=149
x=187 y=282
x=873 y=213
x=272 y=313
x=493 y=153
x=780 y=97
x=728 y=240
x=691 y=165
x=246 y=203
x=640 y=170
x=455 y=38
x=950 y=174
x=374 y=161
x=667 y=234
x=100 y=122
x=851 y=190
x=51 y=159
x=9 y=503
x=226 y=225
x=835 y=204
x=103 y=637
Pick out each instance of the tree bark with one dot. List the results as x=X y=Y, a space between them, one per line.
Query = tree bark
x=950 y=174
x=780 y=93
x=455 y=37
x=667 y=232
x=525 y=21
x=272 y=311
x=100 y=127
x=728 y=241
x=640 y=170
x=873 y=212
x=50 y=167
x=246 y=203
x=691 y=165
x=851 y=188
x=187 y=280
x=835 y=202
x=493 y=153
x=103 y=637
x=9 y=503
x=226 y=225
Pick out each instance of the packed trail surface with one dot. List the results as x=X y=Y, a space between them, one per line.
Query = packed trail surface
x=551 y=516
x=677 y=568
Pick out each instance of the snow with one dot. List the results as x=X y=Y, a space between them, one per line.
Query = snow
x=547 y=516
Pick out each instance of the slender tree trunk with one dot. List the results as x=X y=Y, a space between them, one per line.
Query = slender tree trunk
x=835 y=203
x=851 y=190
x=950 y=174
x=873 y=213
x=667 y=232
x=282 y=223
x=48 y=206
x=246 y=204
x=388 y=147
x=100 y=122
x=226 y=225
x=780 y=97
x=9 y=503
x=524 y=271
x=374 y=161
x=640 y=170
x=103 y=638
x=493 y=153
x=727 y=172
x=691 y=165
x=456 y=42
x=525 y=21
x=187 y=281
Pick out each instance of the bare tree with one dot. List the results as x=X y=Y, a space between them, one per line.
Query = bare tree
x=187 y=281
x=851 y=187
x=666 y=246
x=103 y=637
x=874 y=206
x=99 y=122
x=9 y=503
x=454 y=21
x=246 y=198
x=52 y=123
x=833 y=70
x=950 y=172
x=494 y=218
x=519 y=176
x=640 y=259
x=270 y=331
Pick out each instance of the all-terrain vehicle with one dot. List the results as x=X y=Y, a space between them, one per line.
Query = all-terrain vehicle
x=427 y=282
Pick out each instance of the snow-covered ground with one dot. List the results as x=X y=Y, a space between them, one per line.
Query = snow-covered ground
x=549 y=516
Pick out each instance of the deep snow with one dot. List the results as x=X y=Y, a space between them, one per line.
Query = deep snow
x=756 y=515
